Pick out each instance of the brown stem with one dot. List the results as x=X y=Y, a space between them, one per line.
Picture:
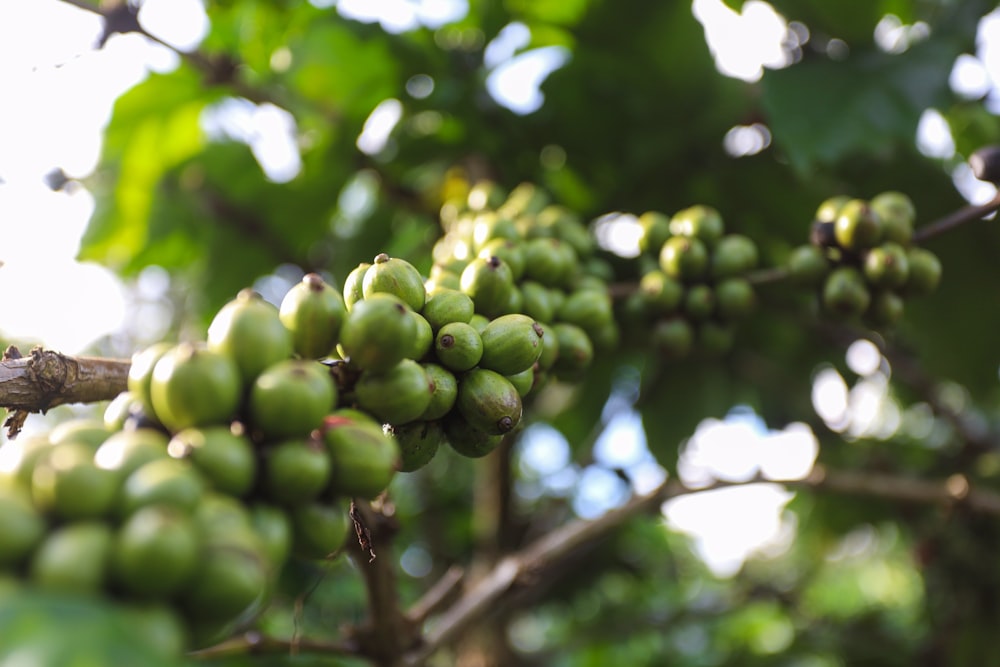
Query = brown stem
x=387 y=633
x=45 y=379
x=960 y=217
x=253 y=643
x=542 y=557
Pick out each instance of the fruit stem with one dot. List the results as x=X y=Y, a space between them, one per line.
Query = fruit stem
x=963 y=215
x=768 y=275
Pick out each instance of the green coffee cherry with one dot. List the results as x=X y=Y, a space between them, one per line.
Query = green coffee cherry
x=466 y=439
x=886 y=309
x=829 y=209
x=548 y=261
x=699 y=302
x=488 y=401
x=488 y=281
x=734 y=255
x=365 y=459
x=550 y=348
x=378 y=332
x=536 y=301
x=807 y=265
x=576 y=350
x=511 y=344
x=296 y=471
x=155 y=552
x=290 y=398
x=444 y=306
x=394 y=276
x=898 y=216
x=507 y=249
x=354 y=285
x=673 y=338
x=699 y=221
x=655 y=231
x=418 y=443
x=223 y=455
x=925 y=272
x=396 y=396
x=249 y=331
x=523 y=381
x=458 y=346
x=713 y=339
x=21 y=525
x=660 y=292
x=444 y=390
x=734 y=298
x=857 y=226
x=589 y=309
x=490 y=226
x=313 y=312
x=684 y=258
x=423 y=340
x=887 y=265
x=845 y=293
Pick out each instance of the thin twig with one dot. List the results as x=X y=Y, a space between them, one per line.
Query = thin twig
x=253 y=643
x=543 y=556
x=960 y=217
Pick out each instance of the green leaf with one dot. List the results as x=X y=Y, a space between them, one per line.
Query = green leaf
x=155 y=127
x=336 y=68
x=50 y=630
x=822 y=111
x=561 y=12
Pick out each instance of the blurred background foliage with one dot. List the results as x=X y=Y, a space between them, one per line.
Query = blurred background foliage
x=634 y=117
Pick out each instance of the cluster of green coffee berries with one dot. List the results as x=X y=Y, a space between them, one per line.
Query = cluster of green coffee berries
x=425 y=364
x=694 y=288
x=517 y=252
x=224 y=458
x=862 y=259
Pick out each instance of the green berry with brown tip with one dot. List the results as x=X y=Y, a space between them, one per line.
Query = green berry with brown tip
x=313 y=312
x=488 y=281
x=395 y=276
x=488 y=401
x=458 y=346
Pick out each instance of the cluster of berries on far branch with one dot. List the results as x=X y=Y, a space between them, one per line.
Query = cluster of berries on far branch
x=231 y=455
x=862 y=260
x=693 y=289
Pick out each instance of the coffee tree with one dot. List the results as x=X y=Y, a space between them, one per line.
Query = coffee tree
x=323 y=459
